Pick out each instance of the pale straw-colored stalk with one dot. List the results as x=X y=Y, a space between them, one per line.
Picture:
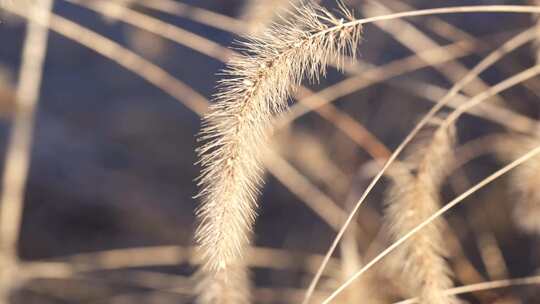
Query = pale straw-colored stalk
x=19 y=147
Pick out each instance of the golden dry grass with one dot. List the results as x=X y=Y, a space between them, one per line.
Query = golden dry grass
x=262 y=74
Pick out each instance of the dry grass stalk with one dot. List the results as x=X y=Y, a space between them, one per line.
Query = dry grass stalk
x=259 y=15
x=524 y=182
x=483 y=286
x=537 y=41
x=17 y=163
x=373 y=75
x=7 y=94
x=257 y=86
x=320 y=203
x=19 y=3
x=365 y=289
x=203 y=16
x=411 y=199
x=415 y=40
x=309 y=154
x=224 y=287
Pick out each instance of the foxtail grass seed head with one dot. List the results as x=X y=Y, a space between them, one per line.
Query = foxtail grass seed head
x=256 y=86
x=412 y=198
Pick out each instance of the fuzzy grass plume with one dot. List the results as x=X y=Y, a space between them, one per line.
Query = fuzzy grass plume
x=412 y=198
x=256 y=86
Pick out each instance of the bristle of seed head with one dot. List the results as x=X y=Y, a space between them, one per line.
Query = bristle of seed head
x=256 y=86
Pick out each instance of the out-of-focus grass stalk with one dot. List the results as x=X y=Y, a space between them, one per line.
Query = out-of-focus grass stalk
x=19 y=147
